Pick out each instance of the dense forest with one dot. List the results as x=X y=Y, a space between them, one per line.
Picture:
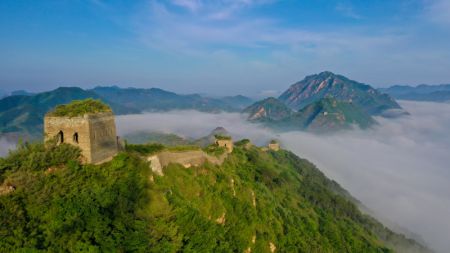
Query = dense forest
x=255 y=201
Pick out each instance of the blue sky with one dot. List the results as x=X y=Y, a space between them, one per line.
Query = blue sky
x=251 y=47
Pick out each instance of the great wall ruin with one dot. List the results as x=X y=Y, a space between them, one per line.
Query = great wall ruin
x=95 y=134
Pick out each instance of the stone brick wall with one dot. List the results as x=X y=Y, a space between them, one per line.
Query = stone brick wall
x=228 y=144
x=274 y=146
x=94 y=134
x=185 y=158
x=103 y=137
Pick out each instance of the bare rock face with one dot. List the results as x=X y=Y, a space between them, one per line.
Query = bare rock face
x=221 y=219
x=253 y=198
x=272 y=247
x=6 y=189
x=268 y=109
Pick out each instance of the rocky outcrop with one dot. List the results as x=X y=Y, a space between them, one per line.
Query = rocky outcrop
x=253 y=198
x=221 y=219
x=272 y=247
x=6 y=189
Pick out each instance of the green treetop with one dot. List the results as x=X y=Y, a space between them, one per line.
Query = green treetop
x=80 y=107
x=222 y=137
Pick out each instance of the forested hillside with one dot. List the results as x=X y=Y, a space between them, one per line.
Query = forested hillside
x=254 y=202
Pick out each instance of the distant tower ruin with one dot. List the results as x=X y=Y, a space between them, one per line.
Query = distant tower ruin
x=224 y=141
x=88 y=124
x=274 y=145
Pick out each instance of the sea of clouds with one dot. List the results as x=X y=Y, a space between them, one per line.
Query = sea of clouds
x=399 y=170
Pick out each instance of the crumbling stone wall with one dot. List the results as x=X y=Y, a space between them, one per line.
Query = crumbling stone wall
x=274 y=146
x=228 y=144
x=94 y=134
x=185 y=158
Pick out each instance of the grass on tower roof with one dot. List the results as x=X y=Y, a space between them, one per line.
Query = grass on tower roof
x=222 y=137
x=80 y=108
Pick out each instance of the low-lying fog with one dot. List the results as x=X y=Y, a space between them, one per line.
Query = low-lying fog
x=5 y=145
x=400 y=170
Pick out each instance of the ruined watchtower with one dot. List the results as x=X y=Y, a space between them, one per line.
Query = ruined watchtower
x=224 y=141
x=88 y=124
x=274 y=145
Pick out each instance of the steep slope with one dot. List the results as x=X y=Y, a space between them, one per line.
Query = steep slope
x=423 y=92
x=155 y=99
x=255 y=201
x=269 y=109
x=325 y=115
x=316 y=87
x=329 y=114
x=24 y=114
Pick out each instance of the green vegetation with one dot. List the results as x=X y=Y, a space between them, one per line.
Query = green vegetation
x=80 y=107
x=316 y=87
x=183 y=148
x=152 y=148
x=222 y=137
x=145 y=149
x=242 y=142
x=155 y=99
x=114 y=207
x=157 y=137
x=215 y=150
x=73 y=207
x=324 y=115
x=268 y=109
x=273 y=142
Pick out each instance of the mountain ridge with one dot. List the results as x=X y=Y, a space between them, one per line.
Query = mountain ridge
x=317 y=86
x=23 y=114
x=422 y=92
x=257 y=200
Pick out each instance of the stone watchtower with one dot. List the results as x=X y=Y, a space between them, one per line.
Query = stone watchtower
x=274 y=145
x=88 y=124
x=224 y=141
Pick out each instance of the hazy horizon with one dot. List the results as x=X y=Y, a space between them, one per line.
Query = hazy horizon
x=221 y=47
x=256 y=95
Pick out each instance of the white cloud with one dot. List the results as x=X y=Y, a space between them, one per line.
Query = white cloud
x=192 y=124
x=399 y=169
x=400 y=52
x=5 y=145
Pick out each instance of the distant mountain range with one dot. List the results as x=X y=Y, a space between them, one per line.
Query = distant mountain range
x=24 y=113
x=423 y=92
x=323 y=102
x=4 y=94
x=155 y=99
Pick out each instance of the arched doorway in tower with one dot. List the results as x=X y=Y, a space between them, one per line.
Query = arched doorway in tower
x=60 y=137
x=75 y=138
